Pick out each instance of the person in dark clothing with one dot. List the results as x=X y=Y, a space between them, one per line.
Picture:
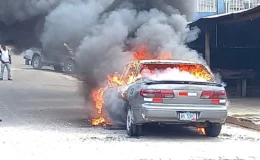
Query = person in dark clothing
x=6 y=62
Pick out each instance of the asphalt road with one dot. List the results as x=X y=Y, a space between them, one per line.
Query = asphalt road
x=44 y=118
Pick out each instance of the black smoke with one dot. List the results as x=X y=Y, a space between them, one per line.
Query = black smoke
x=100 y=31
x=21 y=22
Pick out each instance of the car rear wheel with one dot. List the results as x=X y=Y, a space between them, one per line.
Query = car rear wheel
x=36 y=62
x=132 y=129
x=58 y=68
x=69 y=66
x=213 y=130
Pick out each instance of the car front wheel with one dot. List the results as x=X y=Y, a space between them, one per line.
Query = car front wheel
x=69 y=66
x=132 y=129
x=36 y=62
x=213 y=130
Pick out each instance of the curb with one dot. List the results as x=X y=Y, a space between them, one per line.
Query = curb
x=243 y=123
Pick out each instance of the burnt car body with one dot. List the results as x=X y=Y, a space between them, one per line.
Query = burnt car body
x=189 y=103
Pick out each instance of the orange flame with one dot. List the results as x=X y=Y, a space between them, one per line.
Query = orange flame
x=99 y=102
x=201 y=131
x=142 y=53
x=117 y=80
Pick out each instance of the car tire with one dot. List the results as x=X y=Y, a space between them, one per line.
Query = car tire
x=213 y=130
x=58 y=68
x=69 y=66
x=132 y=129
x=37 y=62
x=27 y=62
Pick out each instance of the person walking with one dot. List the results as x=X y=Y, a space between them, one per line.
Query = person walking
x=6 y=62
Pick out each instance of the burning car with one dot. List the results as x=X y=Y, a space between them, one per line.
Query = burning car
x=165 y=91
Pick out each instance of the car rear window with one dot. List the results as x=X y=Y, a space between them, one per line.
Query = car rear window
x=178 y=72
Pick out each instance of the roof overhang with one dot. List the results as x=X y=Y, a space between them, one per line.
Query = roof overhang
x=243 y=15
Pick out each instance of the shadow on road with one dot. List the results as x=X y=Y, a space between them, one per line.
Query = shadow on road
x=50 y=70
x=149 y=131
x=172 y=131
x=43 y=69
x=169 y=131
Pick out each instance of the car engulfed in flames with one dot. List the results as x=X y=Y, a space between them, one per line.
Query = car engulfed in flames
x=151 y=86
x=116 y=80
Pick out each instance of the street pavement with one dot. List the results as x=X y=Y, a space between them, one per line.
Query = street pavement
x=242 y=106
x=43 y=117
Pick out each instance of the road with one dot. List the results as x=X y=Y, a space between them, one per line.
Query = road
x=44 y=118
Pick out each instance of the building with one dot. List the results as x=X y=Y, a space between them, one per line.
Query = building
x=254 y=3
x=235 y=5
x=206 y=8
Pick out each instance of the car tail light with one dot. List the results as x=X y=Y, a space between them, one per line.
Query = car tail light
x=167 y=93
x=220 y=95
x=206 y=94
x=213 y=95
x=157 y=93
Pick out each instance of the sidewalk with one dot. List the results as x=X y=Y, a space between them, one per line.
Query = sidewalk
x=244 y=106
x=244 y=112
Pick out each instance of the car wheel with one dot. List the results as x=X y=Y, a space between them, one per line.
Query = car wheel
x=69 y=66
x=36 y=62
x=58 y=68
x=27 y=62
x=213 y=130
x=132 y=129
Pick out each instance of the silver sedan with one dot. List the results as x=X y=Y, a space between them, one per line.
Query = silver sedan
x=187 y=96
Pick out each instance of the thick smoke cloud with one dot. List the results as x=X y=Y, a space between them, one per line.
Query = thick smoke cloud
x=70 y=23
x=21 y=21
x=12 y=11
x=102 y=50
x=103 y=32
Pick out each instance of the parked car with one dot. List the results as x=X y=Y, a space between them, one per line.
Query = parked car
x=62 y=59
x=178 y=100
x=28 y=54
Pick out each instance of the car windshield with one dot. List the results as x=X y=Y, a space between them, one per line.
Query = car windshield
x=176 y=72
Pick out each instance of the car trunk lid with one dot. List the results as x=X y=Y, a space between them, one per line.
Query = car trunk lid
x=183 y=92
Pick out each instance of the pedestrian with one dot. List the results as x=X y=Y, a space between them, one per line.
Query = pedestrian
x=6 y=62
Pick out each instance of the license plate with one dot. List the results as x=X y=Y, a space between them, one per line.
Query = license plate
x=188 y=116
